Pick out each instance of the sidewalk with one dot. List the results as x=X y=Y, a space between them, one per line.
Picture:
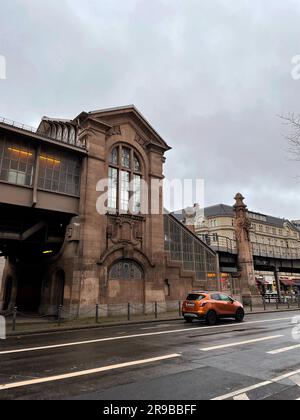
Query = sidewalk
x=35 y=325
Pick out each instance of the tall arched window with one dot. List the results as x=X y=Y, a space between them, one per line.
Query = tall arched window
x=125 y=176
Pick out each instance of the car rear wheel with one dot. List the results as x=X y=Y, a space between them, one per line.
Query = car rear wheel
x=211 y=318
x=240 y=315
x=188 y=320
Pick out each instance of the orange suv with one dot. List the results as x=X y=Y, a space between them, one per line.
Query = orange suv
x=211 y=307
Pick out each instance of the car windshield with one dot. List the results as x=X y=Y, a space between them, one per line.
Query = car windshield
x=193 y=296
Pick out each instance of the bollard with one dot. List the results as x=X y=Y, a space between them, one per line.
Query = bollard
x=251 y=305
x=156 y=310
x=277 y=303
x=15 y=312
x=97 y=313
x=264 y=303
x=298 y=301
x=128 y=312
x=179 y=307
x=59 y=313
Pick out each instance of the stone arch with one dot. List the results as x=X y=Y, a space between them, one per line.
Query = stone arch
x=125 y=252
x=126 y=282
x=141 y=156
x=125 y=269
x=124 y=290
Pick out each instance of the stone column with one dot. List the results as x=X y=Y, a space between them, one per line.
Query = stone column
x=277 y=280
x=249 y=290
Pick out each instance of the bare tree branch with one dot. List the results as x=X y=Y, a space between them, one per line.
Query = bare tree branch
x=293 y=122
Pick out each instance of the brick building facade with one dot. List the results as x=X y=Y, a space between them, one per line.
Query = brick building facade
x=120 y=255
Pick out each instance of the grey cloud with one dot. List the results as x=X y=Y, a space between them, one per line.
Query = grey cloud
x=211 y=75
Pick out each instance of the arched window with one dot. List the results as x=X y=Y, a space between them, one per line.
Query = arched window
x=126 y=270
x=125 y=177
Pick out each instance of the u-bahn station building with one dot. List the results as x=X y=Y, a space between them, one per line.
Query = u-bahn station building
x=60 y=249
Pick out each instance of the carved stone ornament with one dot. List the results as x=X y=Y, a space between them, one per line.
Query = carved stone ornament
x=124 y=230
x=115 y=131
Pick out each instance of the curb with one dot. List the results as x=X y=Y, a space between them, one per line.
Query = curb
x=120 y=324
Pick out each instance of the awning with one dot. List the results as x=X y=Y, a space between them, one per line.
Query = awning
x=228 y=270
x=296 y=282
x=262 y=281
x=287 y=282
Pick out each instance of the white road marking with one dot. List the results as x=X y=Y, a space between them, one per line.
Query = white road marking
x=284 y=350
x=242 y=397
x=86 y=372
x=296 y=380
x=241 y=343
x=259 y=385
x=241 y=391
x=126 y=337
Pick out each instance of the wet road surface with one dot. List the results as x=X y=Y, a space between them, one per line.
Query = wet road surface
x=259 y=359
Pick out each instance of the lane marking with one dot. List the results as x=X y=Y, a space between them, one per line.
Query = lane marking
x=126 y=337
x=241 y=343
x=241 y=391
x=242 y=397
x=296 y=380
x=86 y=372
x=284 y=349
x=259 y=385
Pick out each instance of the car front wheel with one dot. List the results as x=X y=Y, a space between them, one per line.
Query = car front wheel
x=240 y=315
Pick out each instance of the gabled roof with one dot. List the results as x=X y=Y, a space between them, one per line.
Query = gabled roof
x=104 y=114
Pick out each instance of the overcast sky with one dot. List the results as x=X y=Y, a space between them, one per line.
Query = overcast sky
x=210 y=75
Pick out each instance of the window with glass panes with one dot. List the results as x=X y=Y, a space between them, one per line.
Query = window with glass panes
x=185 y=247
x=59 y=172
x=125 y=178
x=16 y=161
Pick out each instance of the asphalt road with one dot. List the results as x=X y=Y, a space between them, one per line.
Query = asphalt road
x=167 y=361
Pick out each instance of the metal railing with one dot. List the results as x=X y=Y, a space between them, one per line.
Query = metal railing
x=99 y=314
x=224 y=244
x=220 y=243
x=15 y=124
x=270 y=251
x=96 y=314
x=77 y=143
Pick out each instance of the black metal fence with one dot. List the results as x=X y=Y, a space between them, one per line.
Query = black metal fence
x=97 y=314
x=100 y=314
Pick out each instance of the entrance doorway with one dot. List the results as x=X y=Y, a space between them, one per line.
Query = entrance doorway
x=29 y=289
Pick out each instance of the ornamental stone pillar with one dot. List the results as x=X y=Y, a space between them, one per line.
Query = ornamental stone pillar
x=249 y=290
